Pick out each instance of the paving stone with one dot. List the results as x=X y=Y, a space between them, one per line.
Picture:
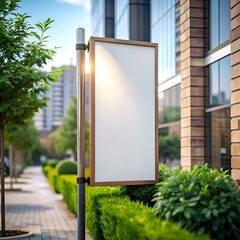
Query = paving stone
x=38 y=209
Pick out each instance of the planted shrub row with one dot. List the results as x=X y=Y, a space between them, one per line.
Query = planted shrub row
x=202 y=200
x=145 y=193
x=112 y=216
x=68 y=189
x=53 y=171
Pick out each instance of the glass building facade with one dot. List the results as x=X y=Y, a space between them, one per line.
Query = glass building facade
x=195 y=68
x=218 y=92
x=122 y=20
x=165 y=30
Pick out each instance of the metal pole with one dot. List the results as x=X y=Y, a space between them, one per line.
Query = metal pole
x=80 y=48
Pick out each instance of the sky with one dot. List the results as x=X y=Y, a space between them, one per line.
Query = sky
x=68 y=15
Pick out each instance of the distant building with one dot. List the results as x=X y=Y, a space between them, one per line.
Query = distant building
x=199 y=77
x=60 y=92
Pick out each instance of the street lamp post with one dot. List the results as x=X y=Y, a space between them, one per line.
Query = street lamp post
x=81 y=180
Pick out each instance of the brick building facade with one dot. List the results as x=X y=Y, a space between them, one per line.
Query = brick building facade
x=199 y=70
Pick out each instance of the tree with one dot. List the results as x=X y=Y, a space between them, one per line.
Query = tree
x=169 y=147
x=68 y=130
x=65 y=138
x=55 y=146
x=22 y=79
x=22 y=138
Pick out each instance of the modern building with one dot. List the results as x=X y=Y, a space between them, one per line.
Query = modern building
x=59 y=94
x=199 y=69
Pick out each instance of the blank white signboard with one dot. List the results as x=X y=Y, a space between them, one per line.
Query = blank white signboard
x=123 y=112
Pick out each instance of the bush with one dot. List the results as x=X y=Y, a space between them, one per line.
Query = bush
x=51 y=163
x=201 y=200
x=53 y=177
x=68 y=189
x=145 y=193
x=92 y=208
x=46 y=169
x=66 y=167
x=141 y=193
x=111 y=216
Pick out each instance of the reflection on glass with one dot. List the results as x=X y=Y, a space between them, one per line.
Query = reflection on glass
x=225 y=91
x=224 y=19
x=214 y=86
x=97 y=15
x=219 y=22
x=219 y=139
x=169 y=105
x=121 y=20
x=220 y=82
x=214 y=24
x=165 y=31
x=169 y=145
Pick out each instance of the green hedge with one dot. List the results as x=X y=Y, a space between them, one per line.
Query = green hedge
x=202 y=200
x=94 y=194
x=112 y=216
x=127 y=220
x=50 y=162
x=53 y=177
x=145 y=193
x=68 y=189
x=66 y=167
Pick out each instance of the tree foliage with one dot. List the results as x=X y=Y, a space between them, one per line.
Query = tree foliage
x=55 y=147
x=65 y=137
x=22 y=136
x=169 y=146
x=23 y=54
x=68 y=130
x=22 y=79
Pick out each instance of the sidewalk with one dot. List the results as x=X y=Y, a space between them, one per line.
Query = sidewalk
x=38 y=209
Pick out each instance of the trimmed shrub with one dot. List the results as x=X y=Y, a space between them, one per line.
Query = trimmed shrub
x=141 y=193
x=92 y=208
x=164 y=172
x=111 y=216
x=126 y=220
x=46 y=169
x=202 y=200
x=51 y=162
x=66 y=167
x=68 y=189
x=145 y=193
x=53 y=177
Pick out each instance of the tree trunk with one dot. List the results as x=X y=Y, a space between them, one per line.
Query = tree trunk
x=11 y=166
x=2 y=177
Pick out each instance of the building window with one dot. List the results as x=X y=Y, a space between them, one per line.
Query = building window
x=122 y=19
x=219 y=73
x=169 y=105
x=169 y=126
x=218 y=119
x=97 y=16
x=165 y=30
x=109 y=18
x=139 y=16
x=219 y=22
x=218 y=137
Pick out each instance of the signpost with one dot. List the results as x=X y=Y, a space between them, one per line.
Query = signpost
x=123 y=115
x=123 y=112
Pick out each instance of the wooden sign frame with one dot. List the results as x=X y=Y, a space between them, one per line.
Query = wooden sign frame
x=123 y=112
